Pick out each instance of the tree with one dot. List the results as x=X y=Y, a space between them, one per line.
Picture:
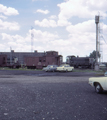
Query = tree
x=93 y=54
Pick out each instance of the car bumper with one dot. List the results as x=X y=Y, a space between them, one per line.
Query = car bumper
x=90 y=83
x=61 y=70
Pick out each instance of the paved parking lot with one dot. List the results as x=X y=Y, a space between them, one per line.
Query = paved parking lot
x=43 y=73
x=50 y=98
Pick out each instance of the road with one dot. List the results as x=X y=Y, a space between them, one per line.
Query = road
x=33 y=97
x=43 y=73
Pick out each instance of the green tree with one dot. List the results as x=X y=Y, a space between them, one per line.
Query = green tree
x=93 y=54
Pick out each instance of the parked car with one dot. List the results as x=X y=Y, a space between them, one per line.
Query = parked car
x=50 y=68
x=105 y=74
x=102 y=67
x=99 y=83
x=65 y=67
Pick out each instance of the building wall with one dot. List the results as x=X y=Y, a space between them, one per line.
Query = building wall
x=40 y=62
x=3 y=60
x=21 y=55
x=34 y=59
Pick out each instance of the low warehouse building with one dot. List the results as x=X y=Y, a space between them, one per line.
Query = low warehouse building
x=3 y=60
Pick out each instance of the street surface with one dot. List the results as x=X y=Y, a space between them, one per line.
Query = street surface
x=43 y=73
x=50 y=97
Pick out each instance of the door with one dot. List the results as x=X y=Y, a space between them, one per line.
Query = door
x=105 y=83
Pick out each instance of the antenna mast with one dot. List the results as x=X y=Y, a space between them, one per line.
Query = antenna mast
x=32 y=36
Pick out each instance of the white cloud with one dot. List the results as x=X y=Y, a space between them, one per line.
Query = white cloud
x=11 y=38
x=46 y=23
x=41 y=40
x=2 y=16
x=42 y=11
x=16 y=42
x=102 y=5
x=81 y=44
x=82 y=36
x=86 y=31
x=82 y=9
x=104 y=28
x=71 y=46
x=2 y=47
x=79 y=8
x=9 y=25
x=12 y=44
x=53 y=17
x=82 y=28
x=62 y=22
x=8 y=10
x=43 y=36
x=39 y=0
x=52 y=23
x=6 y=36
x=81 y=41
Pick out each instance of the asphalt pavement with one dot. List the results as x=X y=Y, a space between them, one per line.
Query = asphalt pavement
x=33 y=97
x=43 y=73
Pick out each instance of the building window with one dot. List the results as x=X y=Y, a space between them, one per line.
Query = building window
x=40 y=59
x=33 y=60
x=44 y=60
x=3 y=60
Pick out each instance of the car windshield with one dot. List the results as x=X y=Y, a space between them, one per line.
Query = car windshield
x=52 y=66
x=55 y=66
x=105 y=73
x=49 y=66
x=63 y=65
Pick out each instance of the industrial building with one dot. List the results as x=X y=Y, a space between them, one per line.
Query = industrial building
x=32 y=59
x=3 y=60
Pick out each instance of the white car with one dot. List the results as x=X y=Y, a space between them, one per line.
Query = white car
x=65 y=67
x=100 y=83
x=105 y=74
x=50 y=68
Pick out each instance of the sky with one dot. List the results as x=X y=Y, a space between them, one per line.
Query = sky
x=66 y=26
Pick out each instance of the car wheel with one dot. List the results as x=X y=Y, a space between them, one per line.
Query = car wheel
x=98 y=88
x=66 y=70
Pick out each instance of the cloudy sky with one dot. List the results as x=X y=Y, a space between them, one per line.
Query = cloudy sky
x=66 y=26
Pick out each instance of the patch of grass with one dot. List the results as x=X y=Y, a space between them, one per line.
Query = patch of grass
x=99 y=74
x=25 y=69
x=88 y=70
